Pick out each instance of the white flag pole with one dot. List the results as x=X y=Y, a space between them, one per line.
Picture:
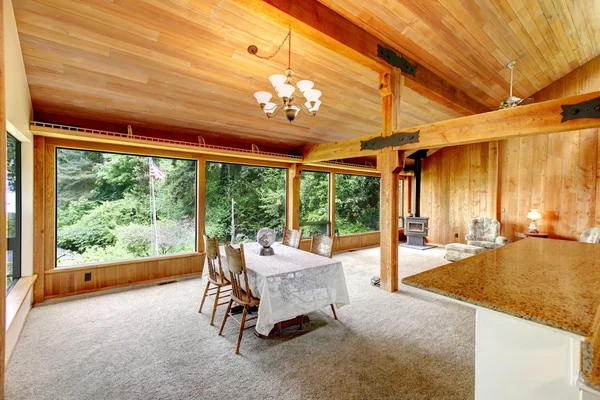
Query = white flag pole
x=153 y=205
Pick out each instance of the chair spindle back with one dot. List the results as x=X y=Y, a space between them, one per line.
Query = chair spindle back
x=213 y=257
x=237 y=267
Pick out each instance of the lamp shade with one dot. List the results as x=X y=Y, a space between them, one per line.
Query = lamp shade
x=305 y=85
x=277 y=80
x=269 y=108
x=262 y=97
x=285 y=90
x=311 y=107
x=312 y=95
x=534 y=214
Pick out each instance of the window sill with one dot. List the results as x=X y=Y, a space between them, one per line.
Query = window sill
x=68 y=269
x=17 y=296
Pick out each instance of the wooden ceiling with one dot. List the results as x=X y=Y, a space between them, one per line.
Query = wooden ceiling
x=183 y=65
x=469 y=42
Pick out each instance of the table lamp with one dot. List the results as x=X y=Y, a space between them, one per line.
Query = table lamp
x=533 y=215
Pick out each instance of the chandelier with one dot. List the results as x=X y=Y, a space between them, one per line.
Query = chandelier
x=286 y=91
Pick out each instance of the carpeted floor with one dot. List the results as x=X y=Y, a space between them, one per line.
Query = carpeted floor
x=151 y=343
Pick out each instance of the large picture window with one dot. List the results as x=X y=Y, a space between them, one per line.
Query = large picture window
x=118 y=207
x=356 y=203
x=314 y=203
x=242 y=199
x=13 y=211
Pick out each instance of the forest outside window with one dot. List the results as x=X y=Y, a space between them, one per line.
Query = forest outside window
x=314 y=203
x=356 y=203
x=13 y=211
x=113 y=206
x=242 y=199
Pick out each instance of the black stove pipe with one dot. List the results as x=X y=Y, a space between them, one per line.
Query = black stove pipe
x=418 y=156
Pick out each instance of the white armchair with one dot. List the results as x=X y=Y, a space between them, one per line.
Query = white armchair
x=590 y=235
x=485 y=232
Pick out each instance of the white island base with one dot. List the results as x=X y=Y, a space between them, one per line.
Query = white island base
x=518 y=359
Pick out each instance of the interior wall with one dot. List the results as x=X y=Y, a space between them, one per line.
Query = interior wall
x=454 y=189
x=18 y=112
x=557 y=173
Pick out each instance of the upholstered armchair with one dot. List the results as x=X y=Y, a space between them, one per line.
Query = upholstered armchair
x=485 y=232
x=590 y=235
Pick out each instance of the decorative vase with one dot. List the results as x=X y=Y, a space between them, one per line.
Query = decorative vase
x=266 y=237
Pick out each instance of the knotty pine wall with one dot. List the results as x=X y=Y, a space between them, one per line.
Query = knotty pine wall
x=557 y=173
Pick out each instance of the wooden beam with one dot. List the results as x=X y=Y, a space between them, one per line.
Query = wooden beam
x=316 y=22
x=390 y=163
x=294 y=175
x=2 y=206
x=533 y=119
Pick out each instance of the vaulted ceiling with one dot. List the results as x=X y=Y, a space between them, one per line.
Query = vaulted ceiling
x=182 y=65
x=469 y=42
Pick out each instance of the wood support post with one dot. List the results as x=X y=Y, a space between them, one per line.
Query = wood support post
x=332 y=204
x=294 y=174
x=200 y=203
x=39 y=188
x=390 y=163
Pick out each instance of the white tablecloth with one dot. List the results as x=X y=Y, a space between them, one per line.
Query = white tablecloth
x=291 y=283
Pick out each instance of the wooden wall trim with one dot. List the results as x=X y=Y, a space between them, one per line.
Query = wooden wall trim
x=39 y=150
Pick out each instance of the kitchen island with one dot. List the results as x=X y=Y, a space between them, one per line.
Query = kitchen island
x=536 y=301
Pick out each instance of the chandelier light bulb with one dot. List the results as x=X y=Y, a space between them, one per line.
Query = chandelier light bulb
x=285 y=90
x=305 y=85
x=312 y=95
x=263 y=97
x=277 y=80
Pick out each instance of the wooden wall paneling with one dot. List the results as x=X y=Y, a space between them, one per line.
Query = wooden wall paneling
x=39 y=147
x=524 y=182
x=200 y=203
x=553 y=186
x=68 y=281
x=568 y=199
x=586 y=180
x=538 y=171
x=2 y=206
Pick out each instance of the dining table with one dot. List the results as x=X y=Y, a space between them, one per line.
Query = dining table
x=291 y=283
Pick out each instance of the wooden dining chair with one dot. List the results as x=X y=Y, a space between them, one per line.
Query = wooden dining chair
x=216 y=277
x=323 y=246
x=292 y=237
x=241 y=293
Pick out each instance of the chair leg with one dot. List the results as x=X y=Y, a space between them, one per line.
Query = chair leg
x=280 y=332
x=242 y=325
x=333 y=309
x=204 y=297
x=225 y=317
x=212 y=320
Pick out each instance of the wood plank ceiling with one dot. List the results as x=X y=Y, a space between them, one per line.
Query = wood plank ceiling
x=183 y=65
x=469 y=42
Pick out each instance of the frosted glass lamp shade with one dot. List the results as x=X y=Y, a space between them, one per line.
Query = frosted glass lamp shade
x=312 y=108
x=305 y=85
x=277 y=80
x=312 y=95
x=534 y=214
x=285 y=90
x=263 y=97
x=269 y=108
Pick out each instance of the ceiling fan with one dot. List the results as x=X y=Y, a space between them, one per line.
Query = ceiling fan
x=513 y=101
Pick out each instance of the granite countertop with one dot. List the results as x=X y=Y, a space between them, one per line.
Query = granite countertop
x=550 y=282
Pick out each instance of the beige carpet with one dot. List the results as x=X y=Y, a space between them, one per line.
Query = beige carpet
x=150 y=343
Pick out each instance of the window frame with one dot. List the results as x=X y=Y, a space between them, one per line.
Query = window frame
x=143 y=153
x=17 y=242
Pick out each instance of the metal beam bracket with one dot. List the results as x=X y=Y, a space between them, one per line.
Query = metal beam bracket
x=396 y=139
x=392 y=58
x=586 y=109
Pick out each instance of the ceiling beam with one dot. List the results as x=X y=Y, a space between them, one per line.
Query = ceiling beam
x=324 y=26
x=534 y=119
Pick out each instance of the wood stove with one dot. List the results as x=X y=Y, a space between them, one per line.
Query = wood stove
x=417 y=227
